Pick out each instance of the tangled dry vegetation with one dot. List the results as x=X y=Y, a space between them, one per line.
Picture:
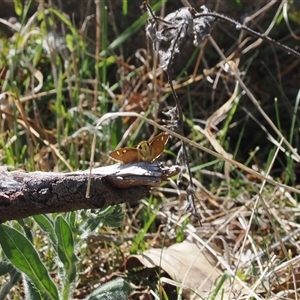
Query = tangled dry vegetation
x=227 y=92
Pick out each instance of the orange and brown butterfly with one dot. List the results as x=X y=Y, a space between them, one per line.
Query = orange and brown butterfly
x=144 y=151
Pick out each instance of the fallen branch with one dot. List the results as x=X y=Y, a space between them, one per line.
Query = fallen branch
x=24 y=194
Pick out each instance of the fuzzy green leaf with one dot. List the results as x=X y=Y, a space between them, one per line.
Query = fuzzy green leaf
x=21 y=253
x=46 y=224
x=65 y=247
x=117 y=289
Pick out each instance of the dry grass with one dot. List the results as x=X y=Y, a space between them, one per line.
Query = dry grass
x=241 y=126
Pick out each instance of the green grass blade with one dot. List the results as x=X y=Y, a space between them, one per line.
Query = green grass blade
x=131 y=29
x=218 y=290
x=138 y=243
x=125 y=7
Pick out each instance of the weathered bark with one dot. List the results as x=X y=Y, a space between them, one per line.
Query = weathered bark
x=25 y=194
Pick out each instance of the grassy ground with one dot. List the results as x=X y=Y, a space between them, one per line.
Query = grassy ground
x=61 y=72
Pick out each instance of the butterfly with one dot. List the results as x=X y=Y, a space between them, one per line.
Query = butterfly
x=144 y=151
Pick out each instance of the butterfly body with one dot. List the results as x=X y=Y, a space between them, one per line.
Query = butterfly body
x=145 y=151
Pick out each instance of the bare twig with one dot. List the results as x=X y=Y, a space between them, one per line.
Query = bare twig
x=240 y=26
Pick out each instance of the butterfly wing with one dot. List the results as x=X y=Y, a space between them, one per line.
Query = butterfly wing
x=125 y=155
x=158 y=144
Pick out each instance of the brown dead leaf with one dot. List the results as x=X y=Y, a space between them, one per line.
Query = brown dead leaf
x=194 y=269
